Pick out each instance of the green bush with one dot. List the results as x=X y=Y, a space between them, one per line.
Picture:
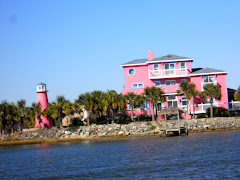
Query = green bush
x=221 y=112
x=76 y=122
x=144 y=117
x=124 y=119
x=218 y=112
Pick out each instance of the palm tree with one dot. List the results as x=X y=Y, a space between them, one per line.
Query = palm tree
x=11 y=116
x=38 y=112
x=133 y=100
x=189 y=91
x=212 y=91
x=3 y=113
x=30 y=116
x=21 y=112
x=154 y=95
x=237 y=95
x=112 y=102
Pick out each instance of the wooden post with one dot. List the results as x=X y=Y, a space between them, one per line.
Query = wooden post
x=165 y=123
x=178 y=122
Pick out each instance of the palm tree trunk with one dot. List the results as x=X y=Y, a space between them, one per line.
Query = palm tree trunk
x=112 y=118
x=153 y=119
x=193 y=106
x=211 y=108
x=132 y=113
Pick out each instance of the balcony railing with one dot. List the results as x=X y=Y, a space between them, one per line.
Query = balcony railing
x=155 y=74
x=204 y=83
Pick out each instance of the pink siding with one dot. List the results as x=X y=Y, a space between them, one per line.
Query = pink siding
x=221 y=80
x=43 y=100
x=141 y=76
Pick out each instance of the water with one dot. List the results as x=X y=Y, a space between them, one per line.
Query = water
x=209 y=155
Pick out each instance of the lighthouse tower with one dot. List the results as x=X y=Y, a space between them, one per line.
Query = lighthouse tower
x=43 y=100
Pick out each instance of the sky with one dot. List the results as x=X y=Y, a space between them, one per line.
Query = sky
x=76 y=46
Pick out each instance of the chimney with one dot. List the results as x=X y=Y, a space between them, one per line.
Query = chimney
x=150 y=55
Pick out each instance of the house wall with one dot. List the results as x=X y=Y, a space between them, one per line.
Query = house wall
x=140 y=76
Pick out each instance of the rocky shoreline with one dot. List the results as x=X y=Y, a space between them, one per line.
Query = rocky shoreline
x=120 y=130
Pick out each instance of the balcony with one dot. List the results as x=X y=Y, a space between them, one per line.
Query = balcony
x=167 y=73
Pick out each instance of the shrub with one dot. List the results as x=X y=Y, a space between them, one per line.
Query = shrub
x=218 y=112
x=221 y=112
x=124 y=119
x=76 y=122
x=144 y=117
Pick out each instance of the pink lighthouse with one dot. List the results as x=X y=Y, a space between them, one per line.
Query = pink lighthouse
x=43 y=100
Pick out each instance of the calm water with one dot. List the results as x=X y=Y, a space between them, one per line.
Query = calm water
x=211 y=155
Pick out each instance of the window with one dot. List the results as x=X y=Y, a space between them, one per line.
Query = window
x=184 y=80
x=183 y=66
x=43 y=88
x=184 y=101
x=40 y=88
x=159 y=106
x=169 y=69
x=172 y=101
x=208 y=79
x=170 y=82
x=157 y=83
x=169 y=66
x=137 y=85
x=155 y=66
x=131 y=71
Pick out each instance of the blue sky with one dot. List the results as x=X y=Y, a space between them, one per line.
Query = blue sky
x=78 y=46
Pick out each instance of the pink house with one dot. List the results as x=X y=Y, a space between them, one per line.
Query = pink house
x=167 y=72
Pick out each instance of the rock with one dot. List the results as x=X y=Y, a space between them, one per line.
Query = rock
x=120 y=133
x=67 y=132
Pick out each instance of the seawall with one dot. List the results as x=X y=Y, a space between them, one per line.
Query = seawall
x=117 y=130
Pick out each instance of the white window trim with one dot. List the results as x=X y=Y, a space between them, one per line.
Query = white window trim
x=137 y=85
x=134 y=71
x=183 y=69
x=176 y=99
x=155 y=84
x=170 y=82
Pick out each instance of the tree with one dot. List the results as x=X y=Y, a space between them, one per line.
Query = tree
x=133 y=100
x=30 y=116
x=189 y=91
x=212 y=91
x=38 y=112
x=3 y=113
x=154 y=95
x=237 y=94
x=11 y=116
x=59 y=109
x=112 y=103
x=21 y=112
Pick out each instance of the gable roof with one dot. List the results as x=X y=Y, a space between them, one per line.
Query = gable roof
x=208 y=71
x=168 y=57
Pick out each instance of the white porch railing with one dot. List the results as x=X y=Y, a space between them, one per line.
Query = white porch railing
x=204 y=83
x=155 y=74
x=234 y=105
